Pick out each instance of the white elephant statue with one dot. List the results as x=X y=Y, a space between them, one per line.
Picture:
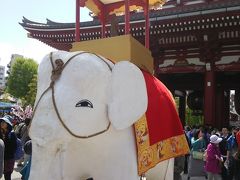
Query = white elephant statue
x=83 y=120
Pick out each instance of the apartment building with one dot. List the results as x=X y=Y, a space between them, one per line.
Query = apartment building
x=2 y=77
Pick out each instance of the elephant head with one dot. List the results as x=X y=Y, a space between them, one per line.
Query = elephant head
x=81 y=95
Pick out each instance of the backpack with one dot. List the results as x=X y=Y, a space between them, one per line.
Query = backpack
x=19 y=150
x=18 y=130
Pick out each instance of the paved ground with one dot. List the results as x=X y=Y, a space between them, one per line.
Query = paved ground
x=17 y=176
x=184 y=177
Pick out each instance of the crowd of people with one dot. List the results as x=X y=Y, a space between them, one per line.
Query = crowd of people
x=14 y=139
x=214 y=154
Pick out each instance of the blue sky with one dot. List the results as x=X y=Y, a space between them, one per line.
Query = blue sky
x=13 y=38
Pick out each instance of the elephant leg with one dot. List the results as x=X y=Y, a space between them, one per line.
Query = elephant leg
x=46 y=162
x=163 y=171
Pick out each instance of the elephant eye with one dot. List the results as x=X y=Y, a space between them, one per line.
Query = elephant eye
x=84 y=103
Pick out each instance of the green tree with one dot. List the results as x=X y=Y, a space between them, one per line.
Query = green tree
x=31 y=95
x=22 y=73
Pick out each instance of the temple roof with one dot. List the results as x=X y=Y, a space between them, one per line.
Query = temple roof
x=181 y=35
x=170 y=10
x=108 y=7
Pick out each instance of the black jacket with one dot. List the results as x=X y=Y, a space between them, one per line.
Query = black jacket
x=10 y=145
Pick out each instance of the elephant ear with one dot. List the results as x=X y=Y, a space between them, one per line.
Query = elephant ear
x=128 y=95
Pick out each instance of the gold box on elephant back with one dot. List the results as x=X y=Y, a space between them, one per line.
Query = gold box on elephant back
x=119 y=48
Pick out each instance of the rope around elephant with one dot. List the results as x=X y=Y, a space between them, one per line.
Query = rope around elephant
x=56 y=73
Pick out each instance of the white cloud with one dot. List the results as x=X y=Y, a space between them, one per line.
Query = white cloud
x=31 y=48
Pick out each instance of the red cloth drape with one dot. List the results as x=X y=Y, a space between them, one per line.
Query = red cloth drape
x=162 y=118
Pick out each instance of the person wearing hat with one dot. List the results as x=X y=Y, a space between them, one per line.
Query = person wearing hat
x=213 y=158
x=9 y=139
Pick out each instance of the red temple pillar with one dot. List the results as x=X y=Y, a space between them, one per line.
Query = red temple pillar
x=209 y=98
x=103 y=22
x=127 y=17
x=77 y=27
x=146 y=13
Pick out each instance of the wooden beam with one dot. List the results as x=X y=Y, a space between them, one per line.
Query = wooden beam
x=77 y=26
x=127 y=17
x=146 y=13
